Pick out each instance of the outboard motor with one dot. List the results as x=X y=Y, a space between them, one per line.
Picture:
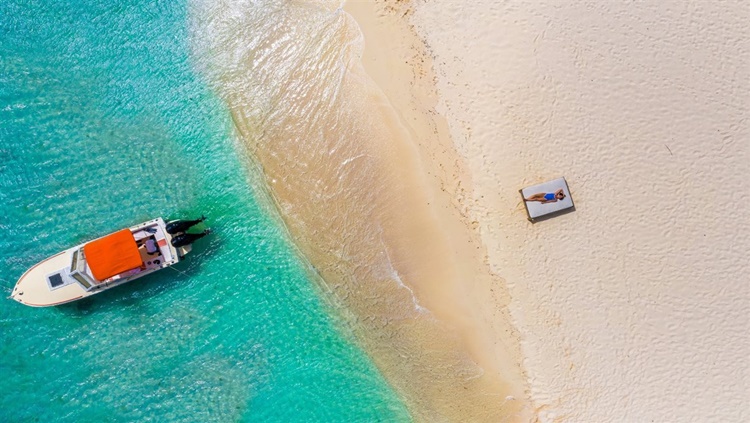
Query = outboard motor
x=182 y=240
x=178 y=226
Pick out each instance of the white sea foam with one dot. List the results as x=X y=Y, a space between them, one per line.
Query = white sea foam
x=347 y=179
x=393 y=275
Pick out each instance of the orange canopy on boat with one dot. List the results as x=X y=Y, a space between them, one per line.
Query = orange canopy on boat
x=112 y=255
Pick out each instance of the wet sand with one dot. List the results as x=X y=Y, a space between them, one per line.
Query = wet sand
x=466 y=297
x=634 y=307
x=399 y=182
x=368 y=186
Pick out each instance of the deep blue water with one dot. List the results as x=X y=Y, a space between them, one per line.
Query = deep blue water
x=104 y=124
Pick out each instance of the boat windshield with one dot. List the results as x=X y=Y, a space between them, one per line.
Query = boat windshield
x=74 y=261
x=82 y=280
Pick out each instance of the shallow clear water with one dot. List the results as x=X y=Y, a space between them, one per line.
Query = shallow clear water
x=103 y=124
x=345 y=169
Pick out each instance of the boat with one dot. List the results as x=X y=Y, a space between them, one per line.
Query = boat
x=106 y=262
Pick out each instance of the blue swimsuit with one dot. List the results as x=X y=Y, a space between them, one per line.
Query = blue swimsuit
x=549 y=196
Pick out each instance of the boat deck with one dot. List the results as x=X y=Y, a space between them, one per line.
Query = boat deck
x=33 y=290
x=51 y=282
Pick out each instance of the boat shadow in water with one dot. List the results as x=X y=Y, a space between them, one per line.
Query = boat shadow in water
x=133 y=293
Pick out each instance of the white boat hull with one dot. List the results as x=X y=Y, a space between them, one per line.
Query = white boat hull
x=35 y=289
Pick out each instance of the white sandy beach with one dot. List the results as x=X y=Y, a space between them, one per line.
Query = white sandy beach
x=354 y=179
x=636 y=306
x=394 y=139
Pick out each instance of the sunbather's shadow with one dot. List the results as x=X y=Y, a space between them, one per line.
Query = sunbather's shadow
x=552 y=215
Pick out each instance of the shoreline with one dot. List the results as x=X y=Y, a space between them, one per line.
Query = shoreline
x=629 y=307
x=370 y=202
x=400 y=64
x=401 y=189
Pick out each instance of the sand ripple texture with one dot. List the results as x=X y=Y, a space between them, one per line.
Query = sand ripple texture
x=349 y=189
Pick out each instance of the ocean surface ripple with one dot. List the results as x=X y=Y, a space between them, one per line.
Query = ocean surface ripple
x=103 y=124
x=350 y=185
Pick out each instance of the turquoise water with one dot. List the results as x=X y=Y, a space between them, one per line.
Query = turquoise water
x=104 y=124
